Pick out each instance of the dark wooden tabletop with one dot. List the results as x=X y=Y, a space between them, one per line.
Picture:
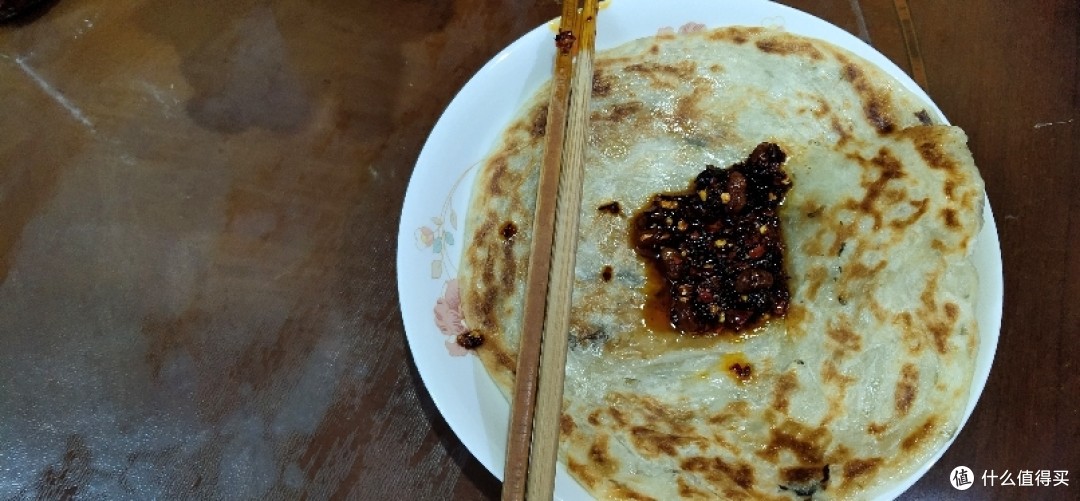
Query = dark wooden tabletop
x=198 y=213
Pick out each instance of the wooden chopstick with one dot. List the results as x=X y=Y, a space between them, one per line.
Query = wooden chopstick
x=532 y=441
x=911 y=42
x=547 y=417
x=519 y=436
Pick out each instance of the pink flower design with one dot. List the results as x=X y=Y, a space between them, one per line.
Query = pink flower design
x=448 y=318
x=425 y=236
x=691 y=28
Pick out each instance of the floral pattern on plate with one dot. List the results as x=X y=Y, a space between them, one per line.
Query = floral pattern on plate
x=440 y=237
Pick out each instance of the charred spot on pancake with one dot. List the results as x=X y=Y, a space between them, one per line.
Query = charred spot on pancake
x=878 y=116
x=861 y=271
x=919 y=206
x=601 y=84
x=566 y=424
x=842 y=133
x=877 y=106
x=494 y=276
x=539 y=122
x=823 y=109
x=618 y=112
x=949 y=188
x=622 y=491
x=470 y=340
x=859 y=467
x=565 y=41
x=652 y=442
x=664 y=75
x=718 y=248
x=787 y=45
x=501 y=178
x=805 y=480
x=506 y=361
x=688 y=111
x=919 y=435
x=940 y=333
x=906 y=389
x=949 y=216
x=742 y=371
x=508 y=230
x=805 y=474
x=719 y=472
x=831 y=374
x=852 y=73
x=582 y=473
x=936 y=324
x=951 y=311
x=607 y=273
x=617 y=416
x=932 y=152
x=769 y=46
x=612 y=208
x=784 y=386
x=688 y=491
x=737 y=366
x=806 y=444
x=739 y=35
x=599 y=456
x=924 y=117
x=595 y=334
x=890 y=169
x=594 y=417
x=846 y=338
x=585 y=335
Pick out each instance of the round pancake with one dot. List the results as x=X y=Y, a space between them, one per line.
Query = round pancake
x=869 y=371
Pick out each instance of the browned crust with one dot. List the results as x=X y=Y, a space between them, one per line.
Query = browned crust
x=600 y=457
x=842 y=334
x=917 y=438
x=861 y=467
x=878 y=107
x=906 y=389
x=719 y=472
x=785 y=45
x=785 y=384
x=807 y=444
x=737 y=34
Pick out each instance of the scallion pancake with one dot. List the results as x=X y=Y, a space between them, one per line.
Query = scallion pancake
x=869 y=371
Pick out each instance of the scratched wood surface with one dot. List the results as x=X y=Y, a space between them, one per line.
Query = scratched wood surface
x=198 y=211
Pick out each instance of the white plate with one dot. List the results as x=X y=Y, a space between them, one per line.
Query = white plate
x=430 y=236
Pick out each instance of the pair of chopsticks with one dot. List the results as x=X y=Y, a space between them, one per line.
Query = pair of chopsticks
x=536 y=409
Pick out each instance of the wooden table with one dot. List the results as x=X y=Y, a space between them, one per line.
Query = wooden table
x=198 y=210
